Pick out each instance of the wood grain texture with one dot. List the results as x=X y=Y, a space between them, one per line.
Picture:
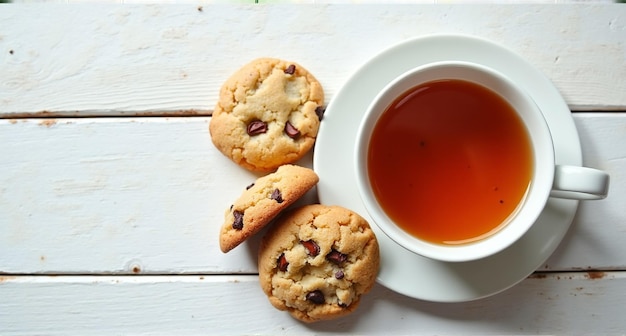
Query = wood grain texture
x=116 y=195
x=147 y=195
x=562 y=304
x=602 y=139
x=172 y=59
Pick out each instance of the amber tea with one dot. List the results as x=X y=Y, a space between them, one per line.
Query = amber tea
x=449 y=161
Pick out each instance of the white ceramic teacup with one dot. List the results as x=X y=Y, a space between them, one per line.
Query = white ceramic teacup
x=547 y=179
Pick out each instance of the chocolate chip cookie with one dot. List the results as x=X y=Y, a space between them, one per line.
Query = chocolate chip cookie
x=268 y=114
x=317 y=261
x=262 y=201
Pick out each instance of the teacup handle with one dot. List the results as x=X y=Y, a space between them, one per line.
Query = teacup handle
x=581 y=183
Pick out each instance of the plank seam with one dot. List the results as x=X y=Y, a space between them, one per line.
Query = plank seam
x=169 y=113
x=594 y=272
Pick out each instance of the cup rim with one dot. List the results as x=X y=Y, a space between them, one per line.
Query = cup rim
x=537 y=193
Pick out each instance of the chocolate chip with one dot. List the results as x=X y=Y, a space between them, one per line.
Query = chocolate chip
x=256 y=127
x=339 y=275
x=312 y=247
x=320 y=112
x=315 y=296
x=291 y=69
x=342 y=305
x=336 y=257
x=282 y=263
x=277 y=196
x=291 y=131
x=250 y=186
x=238 y=222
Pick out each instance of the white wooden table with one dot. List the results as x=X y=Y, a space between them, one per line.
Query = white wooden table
x=111 y=192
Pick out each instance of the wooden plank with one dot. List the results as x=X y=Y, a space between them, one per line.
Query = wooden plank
x=147 y=195
x=564 y=303
x=589 y=239
x=116 y=195
x=171 y=59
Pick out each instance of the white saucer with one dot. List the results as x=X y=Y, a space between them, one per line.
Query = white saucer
x=401 y=270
